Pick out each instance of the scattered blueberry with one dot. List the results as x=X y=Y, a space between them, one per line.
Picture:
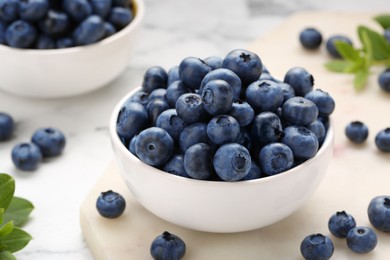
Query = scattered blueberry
x=382 y=140
x=331 y=47
x=379 y=213
x=7 y=126
x=110 y=204
x=356 y=132
x=26 y=156
x=362 y=239
x=167 y=246
x=340 y=223
x=317 y=247
x=51 y=141
x=310 y=38
x=384 y=79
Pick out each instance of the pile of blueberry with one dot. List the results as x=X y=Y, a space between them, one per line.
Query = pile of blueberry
x=225 y=118
x=54 y=24
x=45 y=143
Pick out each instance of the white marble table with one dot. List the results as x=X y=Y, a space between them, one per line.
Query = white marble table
x=172 y=30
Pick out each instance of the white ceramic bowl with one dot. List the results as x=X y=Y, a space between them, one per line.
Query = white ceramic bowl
x=219 y=206
x=70 y=71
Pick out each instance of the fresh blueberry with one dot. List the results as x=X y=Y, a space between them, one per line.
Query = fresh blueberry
x=356 y=132
x=382 y=140
x=254 y=172
x=158 y=93
x=317 y=247
x=362 y=239
x=300 y=79
x=7 y=126
x=174 y=91
x=299 y=111
x=318 y=128
x=288 y=91
x=192 y=71
x=141 y=97
x=190 y=108
x=78 y=10
x=89 y=31
x=154 y=146
x=26 y=156
x=331 y=47
x=55 y=23
x=384 y=79
x=110 y=29
x=173 y=75
x=171 y=122
x=193 y=134
x=302 y=141
x=3 y=27
x=223 y=129
x=132 y=118
x=340 y=223
x=167 y=246
x=217 y=96
x=275 y=158
x=9 y=10
x=224 y=74
x=50 y=140
x=242 y=112
x=198 y=161
x=131 y=145
x=20 y=34
x=310 y=38
x=33 y=10
x=155 y=77
x=64 y=42
x=232 y=162
x=45 y=42
x=244 y=138
x=325 y=103
x=120 y=17
x=101 y=7
x=214 y=62
x=264 y=95
x=155 y=107
x=246 y=64
x=176 y=166
x=379 y=213
x=110 y=204
x=266 y=128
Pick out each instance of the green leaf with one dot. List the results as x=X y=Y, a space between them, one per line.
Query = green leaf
x=1 y=215
x=342 y=66
x=348 y=52
x=16 y=240
x=7 y=189
x=361 y=78
x=6 y=255
x=18 y=211
x=6 y=229
x=383 y=20
x=374 y=44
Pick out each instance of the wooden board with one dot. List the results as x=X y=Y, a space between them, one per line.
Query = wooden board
x=355 y=175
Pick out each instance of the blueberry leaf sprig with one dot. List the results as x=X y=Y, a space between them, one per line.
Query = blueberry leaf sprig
x=375 y=51
x=14 y=212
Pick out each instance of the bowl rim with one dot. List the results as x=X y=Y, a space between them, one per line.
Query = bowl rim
x=139 y=7
x=327 y=144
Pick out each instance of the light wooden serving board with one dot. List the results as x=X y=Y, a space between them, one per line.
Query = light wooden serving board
x=355 y=175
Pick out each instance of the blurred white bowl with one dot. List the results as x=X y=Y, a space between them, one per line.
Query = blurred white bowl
x=70 y=71
x=214 y=206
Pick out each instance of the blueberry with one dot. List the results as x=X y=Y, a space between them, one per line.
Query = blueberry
x=224 y=74
x=45 y=42
x=362 y=239
x=155 y=77
x=55 y=23
x=7 y=126
x=244 y=138
x=275 y=158
x=232 y=162
x=50 y=140
x=382 y=140
x=78 y=10
x=110 y=204
x=155 y=107
x=356 y=132
x=325 y=103
x=3 y=27
x=223 y=129
x=384 y=79
x=167 y=246
x=120 y=17
x=266 y=128
x=254 y=172
x=264 y=95
x=192 y=71
x=299 y=111
x=379 y=213
x=302 y=141
x=176 y=166
x=193 y=134
x=174 y=91
x=26 y=156
x=318 y=128
x=109 y=29
x=340 y=223
x=158 y=93
x=288 y=91
x=217 y=96
x=64 y=42
x=171 y=122
x=9 y=10
x=300 y=79
x=214 y=62
x=132 y=118
x=121 y=3
x=198 y=161
x=242 y=112
x=33 y=10
x=310 y=38
x=101 y=7
x=331 y=47
x=317 y=247
x=131 y=145
x=141 y=97
x=154 y=146
x=173 y=75
x=190 y=108
x=89 y=31
x=246 y=64
x=20 y=34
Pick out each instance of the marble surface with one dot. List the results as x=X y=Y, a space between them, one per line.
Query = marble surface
x=171 y=31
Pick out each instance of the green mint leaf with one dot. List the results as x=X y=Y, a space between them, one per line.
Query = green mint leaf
x=374 y=44
x=361 y=77
x=342 y=66
x=7 y=189
x=1 y=215
x=18 y=211
x=383 y=20
x=348 y=52
x=16 y=240
x=6 y=229
x=6 y=255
